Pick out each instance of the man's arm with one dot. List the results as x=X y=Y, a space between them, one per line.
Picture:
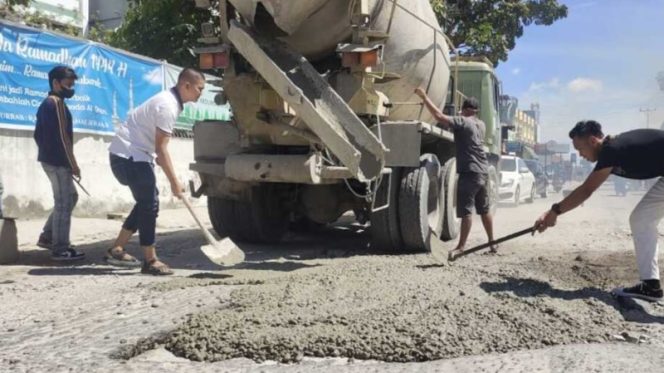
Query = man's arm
x=438 y=115
x=164 y=160
x=574 y=199
x=64 y=140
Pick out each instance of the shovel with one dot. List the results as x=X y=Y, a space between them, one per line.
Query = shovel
x=224 y=252
x=489 y=244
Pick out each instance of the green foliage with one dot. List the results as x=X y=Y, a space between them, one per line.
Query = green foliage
x=162 y=29
x=491 y=27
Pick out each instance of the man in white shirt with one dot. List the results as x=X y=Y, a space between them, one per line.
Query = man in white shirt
x=138 y=143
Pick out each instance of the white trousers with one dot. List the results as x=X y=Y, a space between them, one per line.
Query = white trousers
x=643 y=221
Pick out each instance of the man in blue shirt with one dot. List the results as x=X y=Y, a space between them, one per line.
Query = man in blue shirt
x=55 y=138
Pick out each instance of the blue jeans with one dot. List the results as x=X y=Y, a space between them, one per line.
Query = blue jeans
x=140 y=178
x=58 y=225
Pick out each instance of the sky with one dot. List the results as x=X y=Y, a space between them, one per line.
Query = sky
x=600 y=63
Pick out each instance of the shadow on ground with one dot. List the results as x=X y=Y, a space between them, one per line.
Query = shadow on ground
x=181 y=250
x=630 y=309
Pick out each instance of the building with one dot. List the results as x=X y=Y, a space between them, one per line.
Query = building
x=525 y=130
x=81 y=14
x=62 y=13
x=534 y=112
x=108 y=14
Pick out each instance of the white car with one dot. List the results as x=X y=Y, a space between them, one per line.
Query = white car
x=517 y=183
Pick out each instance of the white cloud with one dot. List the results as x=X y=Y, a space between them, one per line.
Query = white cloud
x=516 y=71
x=616 y=107
x=154 y=76
x=539 y=86
x=581 y=85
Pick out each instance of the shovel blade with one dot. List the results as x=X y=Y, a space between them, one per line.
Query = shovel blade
x=223 y=253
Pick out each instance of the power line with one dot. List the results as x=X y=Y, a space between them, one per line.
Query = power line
x=647 y=111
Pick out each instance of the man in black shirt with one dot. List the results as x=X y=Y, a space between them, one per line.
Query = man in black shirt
x=637 y=154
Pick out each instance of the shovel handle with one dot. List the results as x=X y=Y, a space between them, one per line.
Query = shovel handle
x=207 y=234
x=494 y=242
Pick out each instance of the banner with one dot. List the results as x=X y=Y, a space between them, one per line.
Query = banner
x=204 y=109
x=110 y=82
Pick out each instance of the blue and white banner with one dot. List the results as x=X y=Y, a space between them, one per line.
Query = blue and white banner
x=110 y=82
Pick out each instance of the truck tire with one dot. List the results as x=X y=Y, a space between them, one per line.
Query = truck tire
x=385 y=232
x=450 y=225
x=493 y=190
x=419 y=205
x=216 y=207
x=261 y=220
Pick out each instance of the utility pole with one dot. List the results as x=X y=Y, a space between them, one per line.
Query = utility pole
x=647 y=111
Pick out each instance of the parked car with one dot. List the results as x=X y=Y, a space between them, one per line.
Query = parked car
x=541 y=181
x=517 y=183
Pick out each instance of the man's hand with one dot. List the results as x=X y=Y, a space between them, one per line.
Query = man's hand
x=76 y=172
x=548 y=219
x=177 y=189
x=420 y=93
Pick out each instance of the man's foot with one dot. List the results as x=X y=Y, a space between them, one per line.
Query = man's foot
x=44 y=242
x=156 y=268
x=640 y=291
x=455 y=253
x=67 y=255
x=494 y=249
x=120 y=258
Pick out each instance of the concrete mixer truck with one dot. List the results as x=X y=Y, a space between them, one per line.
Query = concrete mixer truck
x=326 y=123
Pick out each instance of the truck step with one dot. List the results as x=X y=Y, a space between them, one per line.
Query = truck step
x=314 y=100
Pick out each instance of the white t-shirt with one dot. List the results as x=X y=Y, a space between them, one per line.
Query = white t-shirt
x=135 y=138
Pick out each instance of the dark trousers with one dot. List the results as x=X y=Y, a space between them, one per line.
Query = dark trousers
x=140 y=178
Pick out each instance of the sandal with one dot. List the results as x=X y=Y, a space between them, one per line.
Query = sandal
x=161 y=269
x=121 y=259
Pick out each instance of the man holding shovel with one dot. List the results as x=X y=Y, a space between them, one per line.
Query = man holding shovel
x=138 y=143
x=636 y=154
x=55 y=140
x=472 y=166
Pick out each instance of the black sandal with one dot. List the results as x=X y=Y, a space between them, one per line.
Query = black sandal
x=149 y=268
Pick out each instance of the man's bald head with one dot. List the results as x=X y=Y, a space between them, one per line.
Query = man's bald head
x=191 y=83
x=190 y=75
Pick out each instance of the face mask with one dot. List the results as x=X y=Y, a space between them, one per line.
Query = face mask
x=67 y=92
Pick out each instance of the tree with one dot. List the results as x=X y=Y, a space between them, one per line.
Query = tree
x=490 y=27
x=162 y=29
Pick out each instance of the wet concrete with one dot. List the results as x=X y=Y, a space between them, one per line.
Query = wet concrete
x=408 y=309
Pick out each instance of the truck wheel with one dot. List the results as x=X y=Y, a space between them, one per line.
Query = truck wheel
x=216 y=208
x=450 y=226
x=385 y=233
x=419 y=205
x=261 y=220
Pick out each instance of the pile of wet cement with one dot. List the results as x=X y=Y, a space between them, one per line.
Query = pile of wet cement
x=397 y=309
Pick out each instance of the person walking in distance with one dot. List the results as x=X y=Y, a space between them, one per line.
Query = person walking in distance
x=472 y=166
x=55 y=142
x=140 y=142
x=635 y=154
